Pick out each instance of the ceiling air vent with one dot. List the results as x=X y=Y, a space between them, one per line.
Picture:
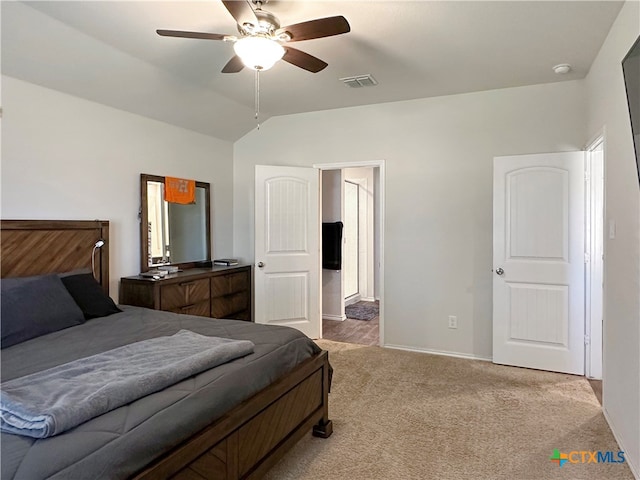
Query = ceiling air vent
x=359 y=81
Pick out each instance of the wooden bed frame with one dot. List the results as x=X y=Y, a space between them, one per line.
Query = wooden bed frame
x=245 y=442
x=38 y=247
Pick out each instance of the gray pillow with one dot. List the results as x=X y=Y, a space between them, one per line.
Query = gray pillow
x=34 y=306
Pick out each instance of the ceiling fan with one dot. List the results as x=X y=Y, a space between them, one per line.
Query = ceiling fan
x=262 y=41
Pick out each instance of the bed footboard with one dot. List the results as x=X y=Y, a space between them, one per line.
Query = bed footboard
x=247 y=441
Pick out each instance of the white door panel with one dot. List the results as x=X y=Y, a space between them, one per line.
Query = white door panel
x=287 y=248
x=292 y=288
x=538 y=299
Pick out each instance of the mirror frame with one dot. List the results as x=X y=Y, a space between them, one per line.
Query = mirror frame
x=144 y=220
x=632 y=93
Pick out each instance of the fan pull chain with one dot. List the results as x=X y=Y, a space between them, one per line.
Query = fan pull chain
x=257 y=97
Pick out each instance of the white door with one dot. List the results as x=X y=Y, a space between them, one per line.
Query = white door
x=538 y=261
x=287 y=273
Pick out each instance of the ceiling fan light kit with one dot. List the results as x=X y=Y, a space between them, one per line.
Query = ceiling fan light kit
x=258 y=53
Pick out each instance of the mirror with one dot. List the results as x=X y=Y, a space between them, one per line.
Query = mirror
x=631 y=73
x=172 y=233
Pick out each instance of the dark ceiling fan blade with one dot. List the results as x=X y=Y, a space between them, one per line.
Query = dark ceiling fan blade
x=234 y=65
x=322 y=27
x=241 y=11
x=202 y=35
x=303 y=60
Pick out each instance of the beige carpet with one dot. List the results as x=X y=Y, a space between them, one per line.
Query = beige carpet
x=404 y=415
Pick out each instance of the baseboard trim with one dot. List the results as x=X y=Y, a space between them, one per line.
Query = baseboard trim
x=635 y=469
x=445 y=353
x=335 y=318
x=352 y=299
x=368 y=299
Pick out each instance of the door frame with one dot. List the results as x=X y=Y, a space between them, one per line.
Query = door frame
x=366 y=234
x=355 y=297
x=380 y=164
x=594 y=252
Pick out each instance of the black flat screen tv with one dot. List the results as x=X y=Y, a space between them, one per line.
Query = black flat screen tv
x=631 y=72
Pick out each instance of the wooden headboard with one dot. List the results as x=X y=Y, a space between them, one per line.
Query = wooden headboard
x=38 y=247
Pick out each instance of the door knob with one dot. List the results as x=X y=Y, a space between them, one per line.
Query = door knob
x=499 y=271
x=260 y=264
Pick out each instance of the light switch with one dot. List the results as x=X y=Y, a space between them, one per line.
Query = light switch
x=612 y=229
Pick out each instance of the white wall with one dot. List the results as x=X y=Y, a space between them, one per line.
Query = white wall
x=67 y=158
x=621 y=360
x=439 y=154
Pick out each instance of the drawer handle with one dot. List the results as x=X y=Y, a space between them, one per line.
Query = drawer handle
x=187 y=307
x=186 y=284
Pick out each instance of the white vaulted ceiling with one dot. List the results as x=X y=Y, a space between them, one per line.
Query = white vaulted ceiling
x=108 y=52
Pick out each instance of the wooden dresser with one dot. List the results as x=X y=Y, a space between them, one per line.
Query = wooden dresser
x=218 y=292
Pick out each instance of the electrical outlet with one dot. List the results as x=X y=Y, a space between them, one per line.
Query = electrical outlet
x=453 y=321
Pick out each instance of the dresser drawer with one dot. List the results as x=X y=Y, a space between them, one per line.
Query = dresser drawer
x=201 y=309
x=230 y=283
x=224 y=307
x=177 y=295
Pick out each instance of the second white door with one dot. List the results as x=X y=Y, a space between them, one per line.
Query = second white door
x=538 y=261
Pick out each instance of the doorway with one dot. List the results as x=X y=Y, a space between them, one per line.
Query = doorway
x=352 y=193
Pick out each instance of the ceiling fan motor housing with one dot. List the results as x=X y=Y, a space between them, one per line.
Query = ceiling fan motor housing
x=268 y=23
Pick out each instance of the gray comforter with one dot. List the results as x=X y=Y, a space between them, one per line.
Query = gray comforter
x=122 y=441
x=50 y=402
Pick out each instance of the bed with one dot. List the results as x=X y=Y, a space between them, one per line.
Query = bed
x=232 y=421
